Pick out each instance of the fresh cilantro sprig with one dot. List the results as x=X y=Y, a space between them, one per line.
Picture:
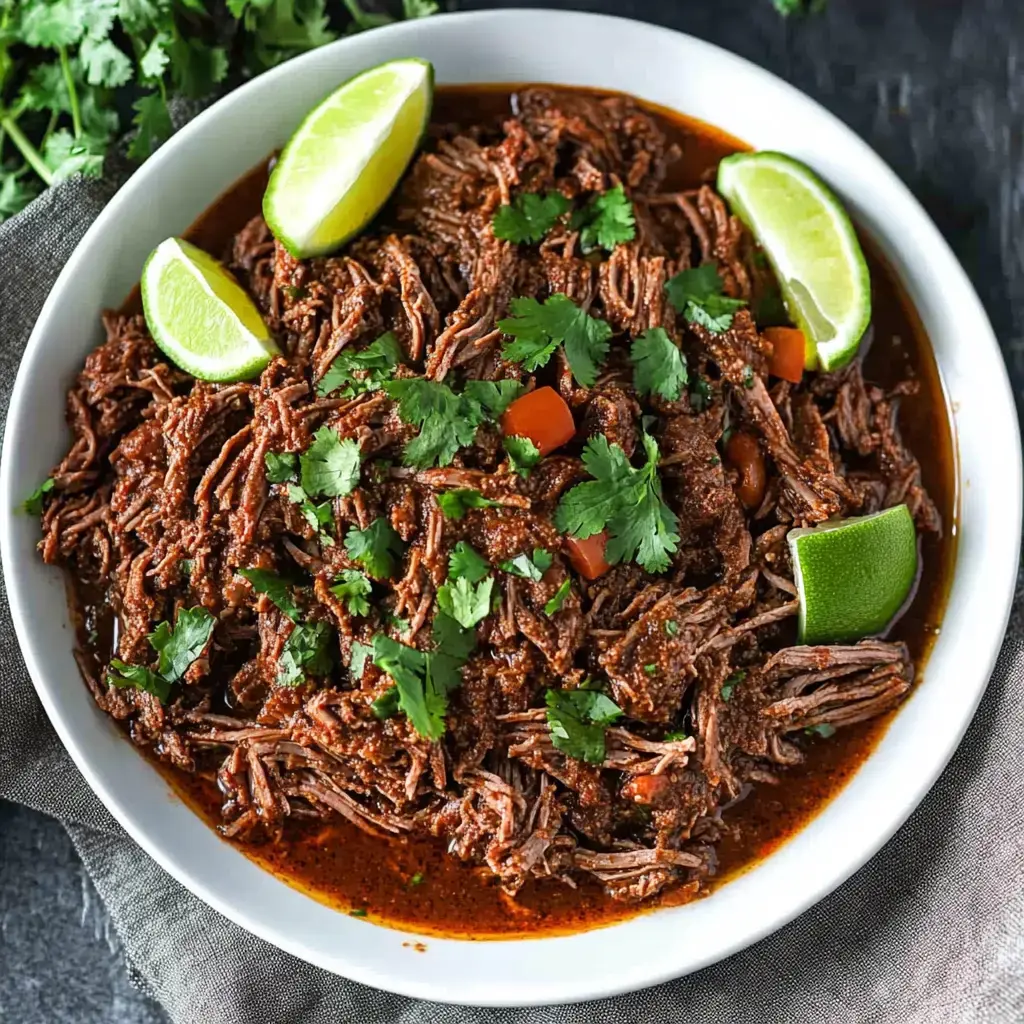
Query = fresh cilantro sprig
x=658 y=365
x=353 y=588
x=76 y=74
x=33 y=504
x=626 y=502
x=523 y=454
x=539 y=328
x=465 y=562
x=530 y=216
x=275 y=587
x=527 y=567
x=354 y=372
x=558 y=598
x=377 y=548
x=698 y=295
x=455 y=504
x=177 y=647
x=467 y=603
x=605 y=221
x=330 y=467
x=307 y=651
x=577 y=720
x=281 y=466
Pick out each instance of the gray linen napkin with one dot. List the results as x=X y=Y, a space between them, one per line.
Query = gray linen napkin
x=932 y=930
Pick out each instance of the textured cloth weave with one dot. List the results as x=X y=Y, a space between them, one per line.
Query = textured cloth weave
x=931 y=930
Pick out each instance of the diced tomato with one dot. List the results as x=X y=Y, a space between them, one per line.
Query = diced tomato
x=586 y=555
x=788 y=350
x=742 y=452
x=543 y=417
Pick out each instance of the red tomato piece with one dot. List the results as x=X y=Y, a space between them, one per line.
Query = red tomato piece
x=742 y=452
x=788 y=352
x=543 y=417
x=586 y=555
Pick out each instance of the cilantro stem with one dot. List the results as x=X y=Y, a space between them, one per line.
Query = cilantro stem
x=27 y=150
x=76 y=115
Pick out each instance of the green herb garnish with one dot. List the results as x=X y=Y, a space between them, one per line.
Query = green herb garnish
x=330 y=467
x=530 y=216
x=275 y=587
x=523 y=454
x=538 y=329
x=467 y=603
x=352 y=588
x=527 y=567
x=455 y=504
x=33 y=504
x=465 y=562
x=626 y=502
x=376 y=548
x=731 y=683
x=355 y=371
x=577 y=720
x=556 y=602
x=698 y=295
x=605 y=221
x=658 y=365
x=281 y=467
x=306 y=651
x=357 y=663
x=822 y=729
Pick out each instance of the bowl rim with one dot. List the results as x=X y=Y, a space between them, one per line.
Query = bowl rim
x=520 y=988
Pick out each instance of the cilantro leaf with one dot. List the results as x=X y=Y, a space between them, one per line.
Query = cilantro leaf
x=697 y=294
x=138 y=677
x=454 y=504
x=466 y=563
x=355 y=371
x=386 y=705
x=353 y=588
x=33 y=504
x=376 y=548
x=331 y=466
x=529 y=568
x=606 y=221
x=658 y=365
x=530 y=216
x=493 y=396
x=446 y=421
x=357 y=663
x=307 y=651
x=558 y=599
x=731 y=683
x=451 y=639
x=419 y=8
x=539 y=329
x=577 y=720
x=625 y=501
x=53 y=25
x=153 y=123
x=275 y=587
x=522 y=453
x=466 y=603
x=320 y=517
x=423 y=703
x=156 y=57
x=104 y=64
x=66 y=155
x=182 y=645
x=281 y=467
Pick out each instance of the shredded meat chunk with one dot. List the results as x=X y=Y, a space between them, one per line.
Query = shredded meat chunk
x=171 y=485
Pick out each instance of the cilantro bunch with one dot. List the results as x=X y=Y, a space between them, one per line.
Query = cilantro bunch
x=76 y=74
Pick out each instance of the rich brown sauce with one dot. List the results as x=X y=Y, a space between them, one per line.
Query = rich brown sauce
x=415 y=883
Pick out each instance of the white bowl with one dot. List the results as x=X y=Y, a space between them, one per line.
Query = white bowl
x=203 y=160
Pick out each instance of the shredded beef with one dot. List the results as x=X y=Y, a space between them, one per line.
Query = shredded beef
x=164 y=494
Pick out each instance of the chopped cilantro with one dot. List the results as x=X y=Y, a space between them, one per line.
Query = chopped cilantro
x=626 y=502
x=522 y=453
x=330 y=468
x=386 y=705
x=530 y=216
x=353 y=588
x=358 y=912
x=138 y=677
x=529 y=568
x=790 y=7
x=320 y=517
x=675 y=736
x=416 y=879
x=731 y=683
x=33 y=504
x=493 y=396
x=360 y=652
x=748 y=377
x=822 y=729
x=539 y=329
x=265 y=582
x=446 y=421
x=558 y=599
x=185 y=566
x=455 y=504
x=658 y=365
x=697 y=294
x=467 y=603
x=651 y=669
x=577 y=720
x=672 y=627
x=281 y=467
x=398 y=623
x=307 y=651
x=376 y=548
x=423 y=679
x=355 y=371
x=605 y=221
x=465 y=562
x=700 y=395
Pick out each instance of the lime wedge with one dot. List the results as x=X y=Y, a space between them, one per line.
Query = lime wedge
x=853 y=576
x=811 y=245
x=346 y=158
x=201 y=316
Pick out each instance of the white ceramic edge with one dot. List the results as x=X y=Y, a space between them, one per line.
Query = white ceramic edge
x=660 y=946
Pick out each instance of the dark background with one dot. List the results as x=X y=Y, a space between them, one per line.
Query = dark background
x=936 y=86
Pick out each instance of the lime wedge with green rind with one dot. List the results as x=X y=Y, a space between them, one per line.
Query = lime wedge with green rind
x=347 y=156
x=201 y=316
x=811 y=245
x=853 y=576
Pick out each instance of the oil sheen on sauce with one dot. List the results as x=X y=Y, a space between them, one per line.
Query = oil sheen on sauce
x=415 y=884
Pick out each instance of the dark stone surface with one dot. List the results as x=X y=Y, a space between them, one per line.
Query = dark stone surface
x=936 y=86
